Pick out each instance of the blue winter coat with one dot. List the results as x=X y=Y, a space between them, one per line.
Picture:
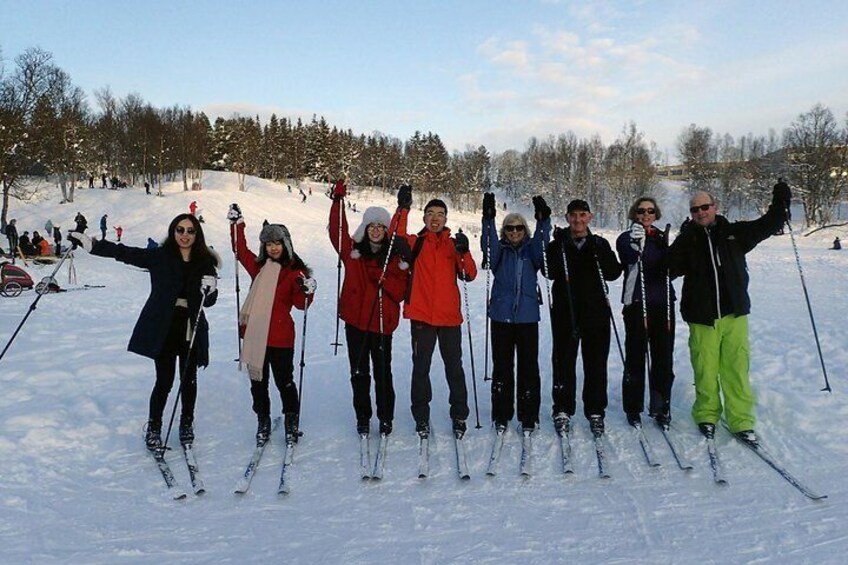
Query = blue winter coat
x=168 y=274
x=515 y=296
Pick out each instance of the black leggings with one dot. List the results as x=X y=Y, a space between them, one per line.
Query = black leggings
x=280 y=360
x=175 y=348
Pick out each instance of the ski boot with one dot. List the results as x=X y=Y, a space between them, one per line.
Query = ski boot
x=459 y=428
x=747 y=436
x=186 y=430
x=363 y=427
x=562 y=422
x=634 y=420
x=596 y=424
x=292 y=430
x=263 y=429
x=385 y=428
x=423 y=429
x=153 y=435
x=707 y=429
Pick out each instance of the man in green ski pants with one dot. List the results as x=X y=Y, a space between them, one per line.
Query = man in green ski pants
x=709 y=253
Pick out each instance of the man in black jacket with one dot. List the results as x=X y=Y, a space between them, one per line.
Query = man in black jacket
x=709 y=253
x=580 y=263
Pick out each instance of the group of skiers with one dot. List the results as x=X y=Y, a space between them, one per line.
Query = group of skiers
x=385 y=267
x=23 y=245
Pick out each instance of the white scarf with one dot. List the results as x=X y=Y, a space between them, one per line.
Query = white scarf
x=255 y=315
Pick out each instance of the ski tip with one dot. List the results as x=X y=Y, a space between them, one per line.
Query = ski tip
x=465 y=477
x=422 y=475
x=200 y=492
x=180 y=495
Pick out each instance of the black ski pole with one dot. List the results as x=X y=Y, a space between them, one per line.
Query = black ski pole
x=184 y=367
x=470 y=345
x=574 y=332
x=336 y=343
x=641 y=267
x=486 y=259
x=807 y=298
x=238 y=297
x=612 y=317
x=41 y=289
x=302 y=360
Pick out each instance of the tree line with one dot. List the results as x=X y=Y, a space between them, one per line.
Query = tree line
x=49 y=129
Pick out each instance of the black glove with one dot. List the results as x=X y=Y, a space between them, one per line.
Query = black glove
x=400 y=246
x=687 y=228
x=460 y=242
x=234 y=214
x=489 y=205
x=559 y=235
x=404 y=196
x=782 y=197
x=541 y=210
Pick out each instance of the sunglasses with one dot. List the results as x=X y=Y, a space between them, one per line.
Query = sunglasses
x=181 y=230
x=643 y=211
x=702 y=208
x=519 y=228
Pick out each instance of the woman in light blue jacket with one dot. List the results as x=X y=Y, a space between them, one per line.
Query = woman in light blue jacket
x=514 y=259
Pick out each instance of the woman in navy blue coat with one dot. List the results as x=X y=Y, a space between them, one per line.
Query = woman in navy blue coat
x=514 y=258
x=645 y=247
x=182 y=272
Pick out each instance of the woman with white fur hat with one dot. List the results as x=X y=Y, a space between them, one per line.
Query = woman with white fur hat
x=281 y=280
x=374 y=286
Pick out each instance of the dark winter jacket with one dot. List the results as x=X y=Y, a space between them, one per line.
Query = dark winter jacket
x=168 y=275
x=433 y=294
x=655 y=264
x=12 y=234
x=515 y=291
x=363 y=269
x=287 y=294
x=81 y=223
x=588 y=292
x=712 y=263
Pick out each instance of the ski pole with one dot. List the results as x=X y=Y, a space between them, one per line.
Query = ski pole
x=488 y=256
x=612 y=318
x=807 y=298
x=238 y=298
x=574 y=333
x=184 y=366
x=470 y=345
x=42 y=289
x=336 y=343
x=641 y=267
x=302 y=358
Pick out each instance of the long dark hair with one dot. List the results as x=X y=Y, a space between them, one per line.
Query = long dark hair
x=199 y=250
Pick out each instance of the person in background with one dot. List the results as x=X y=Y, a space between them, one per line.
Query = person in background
x=281 y=281
x=12 y=236
x=182 y=280
x=709 y=253
x=103 y=226
x=57 y=241
x=119 y=231
x=648 y=325
x=837 y=244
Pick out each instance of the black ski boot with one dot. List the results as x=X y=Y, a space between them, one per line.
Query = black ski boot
x=747 y=436
x=596 y=424
x=153 y=435
x=263 y=429
x=423 y=429
x=562 y=422
x=292 y=430
x=707 y=429
x=385 y=428
x=186 y=430
x=459 y=428
x=663 y=420
x=634 y=420
x=363 y=427
x=500 y=427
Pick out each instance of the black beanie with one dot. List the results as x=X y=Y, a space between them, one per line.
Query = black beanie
x=438 y=203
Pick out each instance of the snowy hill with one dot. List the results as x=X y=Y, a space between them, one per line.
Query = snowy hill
x=77 y=486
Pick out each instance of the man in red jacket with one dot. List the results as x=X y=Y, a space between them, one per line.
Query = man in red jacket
x=433 y=307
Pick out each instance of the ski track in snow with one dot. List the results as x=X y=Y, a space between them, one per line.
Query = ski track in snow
x=77 y=487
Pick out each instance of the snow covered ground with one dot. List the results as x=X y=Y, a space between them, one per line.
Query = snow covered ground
x=77 y=487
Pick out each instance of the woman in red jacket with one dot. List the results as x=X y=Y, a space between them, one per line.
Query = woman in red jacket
x=370 y=307
x=280 y=280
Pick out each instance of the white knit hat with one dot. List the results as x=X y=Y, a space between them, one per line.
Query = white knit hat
x=372 y=215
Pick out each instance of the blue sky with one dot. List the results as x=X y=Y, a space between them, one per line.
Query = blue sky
x=476 y=72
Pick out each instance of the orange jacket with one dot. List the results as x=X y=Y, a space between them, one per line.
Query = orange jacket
x=358 y=302
x=433 y=296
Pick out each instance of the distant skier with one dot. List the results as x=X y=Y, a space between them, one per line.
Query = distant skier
x=709 y=253
x=57 y=241
x=81 y=223
x=103 y=226
x=182 y=271
x=147 y=187
x=12 y=236
x=91 y=181
x=119 y=231
x=837 y=244
x=192 y=208
x=103 y=180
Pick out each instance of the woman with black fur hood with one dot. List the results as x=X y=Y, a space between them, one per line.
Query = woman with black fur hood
x=280 y=280
x=370 y=307
x=182 y=275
